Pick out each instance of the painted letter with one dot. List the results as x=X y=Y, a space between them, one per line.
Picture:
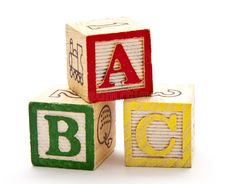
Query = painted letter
x=120 y=56
x=141 y=133
x=69 y=134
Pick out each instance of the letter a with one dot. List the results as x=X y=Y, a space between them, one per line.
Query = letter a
x=125 y=67
x=69 y=134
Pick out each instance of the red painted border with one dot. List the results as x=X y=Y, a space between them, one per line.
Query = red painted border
x=107 y=96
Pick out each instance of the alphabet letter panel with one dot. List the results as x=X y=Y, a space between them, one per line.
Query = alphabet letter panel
x=108 y=59
x=67 y=132
x=158 y=129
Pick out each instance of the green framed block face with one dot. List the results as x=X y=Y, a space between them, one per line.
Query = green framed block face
x=61 y=135
x=63 y=132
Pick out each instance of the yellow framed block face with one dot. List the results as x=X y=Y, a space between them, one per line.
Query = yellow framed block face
x=157 y=134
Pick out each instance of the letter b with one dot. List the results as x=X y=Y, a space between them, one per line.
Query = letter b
x=69 y=134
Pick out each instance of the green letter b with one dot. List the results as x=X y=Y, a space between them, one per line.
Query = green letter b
x=69 y=134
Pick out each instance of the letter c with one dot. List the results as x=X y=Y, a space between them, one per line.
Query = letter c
x=141 y=133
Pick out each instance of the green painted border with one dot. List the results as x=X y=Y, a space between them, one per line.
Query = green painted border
x=89 y=164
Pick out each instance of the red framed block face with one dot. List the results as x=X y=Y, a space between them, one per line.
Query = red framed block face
x=119 y=65
x=118 y=61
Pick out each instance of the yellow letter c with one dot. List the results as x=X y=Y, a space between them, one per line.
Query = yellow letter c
x=141 y=133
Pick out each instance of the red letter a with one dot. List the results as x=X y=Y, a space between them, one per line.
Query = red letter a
x=125 y=67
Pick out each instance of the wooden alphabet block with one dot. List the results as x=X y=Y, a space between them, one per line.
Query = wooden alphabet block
x=108 y=59
x=67 y=132
x=158 y=129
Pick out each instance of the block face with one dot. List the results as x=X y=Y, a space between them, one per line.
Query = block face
x=104 y=52
x=119 y=65
x=158 y=134
x=76 y=61
x=64 y=145
x=61 y=95
x=105 y=130
x=72 y=125
x=106 y=26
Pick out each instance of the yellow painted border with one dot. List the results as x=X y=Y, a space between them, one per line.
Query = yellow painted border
x=186 y=161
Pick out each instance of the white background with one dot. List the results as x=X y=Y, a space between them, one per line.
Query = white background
x=192 y=42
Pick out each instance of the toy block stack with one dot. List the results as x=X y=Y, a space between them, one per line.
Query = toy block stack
x=74 y=127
